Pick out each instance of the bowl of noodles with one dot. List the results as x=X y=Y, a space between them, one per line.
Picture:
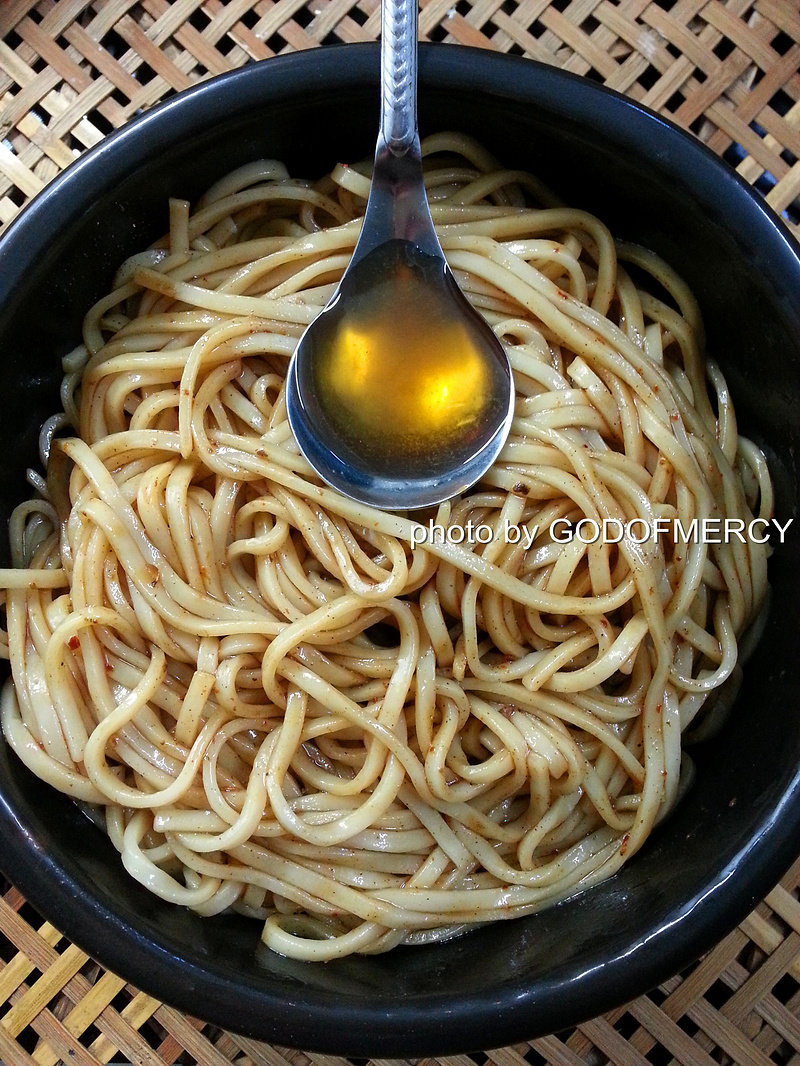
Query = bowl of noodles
x=378 y=783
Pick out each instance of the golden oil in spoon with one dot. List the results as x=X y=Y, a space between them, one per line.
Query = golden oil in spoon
x=399 y=366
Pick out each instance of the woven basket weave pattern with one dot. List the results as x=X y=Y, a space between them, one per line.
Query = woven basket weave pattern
x=70 y=73
x=740 y=1004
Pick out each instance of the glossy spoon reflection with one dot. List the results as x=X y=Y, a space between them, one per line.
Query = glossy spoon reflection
x=399 y=394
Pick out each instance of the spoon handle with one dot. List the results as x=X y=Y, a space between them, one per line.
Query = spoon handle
x=399 y=21
x=397 y=208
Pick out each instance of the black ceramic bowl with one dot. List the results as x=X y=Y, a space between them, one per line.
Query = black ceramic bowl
x=738 y=829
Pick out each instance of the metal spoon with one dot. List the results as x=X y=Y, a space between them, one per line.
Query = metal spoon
x=399 y=394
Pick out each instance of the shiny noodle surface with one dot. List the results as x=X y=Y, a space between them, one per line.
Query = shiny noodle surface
x=336 y=719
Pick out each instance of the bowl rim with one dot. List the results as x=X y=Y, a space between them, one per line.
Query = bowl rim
x=415 y=1028
x=328 y=70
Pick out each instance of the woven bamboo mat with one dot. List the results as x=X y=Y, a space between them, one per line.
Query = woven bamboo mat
x=739 y=1004
x=72 y=71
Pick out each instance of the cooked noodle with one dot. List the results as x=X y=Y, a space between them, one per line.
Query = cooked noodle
x=340 y=720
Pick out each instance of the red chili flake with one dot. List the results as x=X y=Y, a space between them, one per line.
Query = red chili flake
x=623 y=847
x=73 y=643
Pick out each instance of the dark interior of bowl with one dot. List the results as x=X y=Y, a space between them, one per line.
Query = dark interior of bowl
x=736 y=831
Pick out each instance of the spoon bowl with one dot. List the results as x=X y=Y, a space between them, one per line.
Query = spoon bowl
x=400 y=409
x=399 y=394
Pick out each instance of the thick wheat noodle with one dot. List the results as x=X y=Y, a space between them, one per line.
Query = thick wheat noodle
x=336 y=719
